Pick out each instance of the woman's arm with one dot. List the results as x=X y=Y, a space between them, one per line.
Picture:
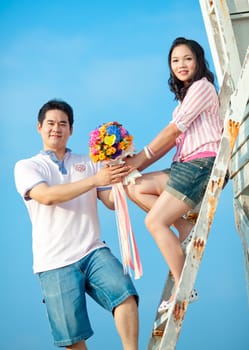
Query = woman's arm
x=199 y=97
x=159 y=146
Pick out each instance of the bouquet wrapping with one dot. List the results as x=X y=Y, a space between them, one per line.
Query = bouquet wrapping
x=111 y=142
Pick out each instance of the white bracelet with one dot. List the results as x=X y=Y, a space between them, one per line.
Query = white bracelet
x=150 y=150
x=147 y=153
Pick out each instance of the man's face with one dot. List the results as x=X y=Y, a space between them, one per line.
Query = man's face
x=55 y=130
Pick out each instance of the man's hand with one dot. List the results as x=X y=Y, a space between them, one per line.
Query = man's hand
x=111 y=174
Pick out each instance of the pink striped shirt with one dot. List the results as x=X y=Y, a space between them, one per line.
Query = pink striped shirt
x=199 y=120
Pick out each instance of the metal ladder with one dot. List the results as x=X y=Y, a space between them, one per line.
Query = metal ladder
x=234 y=96
x=225 y=54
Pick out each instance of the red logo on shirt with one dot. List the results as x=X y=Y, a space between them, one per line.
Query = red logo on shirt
x=79 y=167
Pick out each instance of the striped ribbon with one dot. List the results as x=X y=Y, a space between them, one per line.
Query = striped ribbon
x=128 y=247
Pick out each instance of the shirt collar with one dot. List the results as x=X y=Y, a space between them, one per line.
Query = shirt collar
x=53 y=157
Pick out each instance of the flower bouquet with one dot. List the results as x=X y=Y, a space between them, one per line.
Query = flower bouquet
x=111 y=142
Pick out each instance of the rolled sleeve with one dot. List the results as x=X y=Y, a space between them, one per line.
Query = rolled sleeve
x=198 y=98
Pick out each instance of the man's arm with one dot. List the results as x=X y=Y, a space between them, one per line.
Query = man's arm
x=106 y=196
x=51 y=195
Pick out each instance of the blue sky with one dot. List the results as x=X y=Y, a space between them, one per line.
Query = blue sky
x=108 y=59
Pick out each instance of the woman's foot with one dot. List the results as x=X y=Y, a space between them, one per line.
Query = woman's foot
x=166 y=304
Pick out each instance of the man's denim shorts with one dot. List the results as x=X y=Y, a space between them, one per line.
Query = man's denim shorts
x=101 y=275
x=188 y=180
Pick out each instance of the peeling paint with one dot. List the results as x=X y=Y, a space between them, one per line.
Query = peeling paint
x=233 y=130
x=216 y=184
x=212 y=204
x=192 y=217
x=157 y=332
x=223 y=4
x=199 y=246
x=179 y=311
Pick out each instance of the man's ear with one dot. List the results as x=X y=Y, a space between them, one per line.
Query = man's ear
x=38 y=127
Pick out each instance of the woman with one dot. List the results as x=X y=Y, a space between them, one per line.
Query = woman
x=195 y=131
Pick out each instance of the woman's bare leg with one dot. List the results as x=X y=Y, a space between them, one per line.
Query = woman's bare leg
x=183 y=227
x=167 y=210
x=146 y=191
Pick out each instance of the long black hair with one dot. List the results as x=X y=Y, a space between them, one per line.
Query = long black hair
x=202 y=69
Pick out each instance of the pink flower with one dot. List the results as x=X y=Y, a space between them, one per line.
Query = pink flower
x=123 y=132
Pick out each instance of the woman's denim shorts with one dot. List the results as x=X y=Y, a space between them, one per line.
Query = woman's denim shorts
x=188 y=180
x=99 y=274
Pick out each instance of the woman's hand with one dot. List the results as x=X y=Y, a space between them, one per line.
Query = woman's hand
x=136 y=161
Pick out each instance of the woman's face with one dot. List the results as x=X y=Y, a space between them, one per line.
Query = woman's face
x=183 y=63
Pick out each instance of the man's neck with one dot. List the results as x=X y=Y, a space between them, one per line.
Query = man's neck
x=58 y=153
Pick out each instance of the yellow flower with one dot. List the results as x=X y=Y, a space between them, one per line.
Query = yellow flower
x=110 y=140
x=102 y=131
x=95 y=158
x=122 y=145
x=110 y=151
x=129 y=138
x=102 y=156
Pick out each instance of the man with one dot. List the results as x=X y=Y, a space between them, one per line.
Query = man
x=60 y=190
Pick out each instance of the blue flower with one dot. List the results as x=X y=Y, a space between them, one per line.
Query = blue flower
x=114 y=130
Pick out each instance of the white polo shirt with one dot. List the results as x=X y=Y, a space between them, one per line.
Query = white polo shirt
x=64 y=233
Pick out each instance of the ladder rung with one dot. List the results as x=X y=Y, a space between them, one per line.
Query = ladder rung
x=161 y=320
x=157 y=332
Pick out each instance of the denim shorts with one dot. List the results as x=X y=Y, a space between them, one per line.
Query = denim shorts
x=99 y=274
x=188 y=180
